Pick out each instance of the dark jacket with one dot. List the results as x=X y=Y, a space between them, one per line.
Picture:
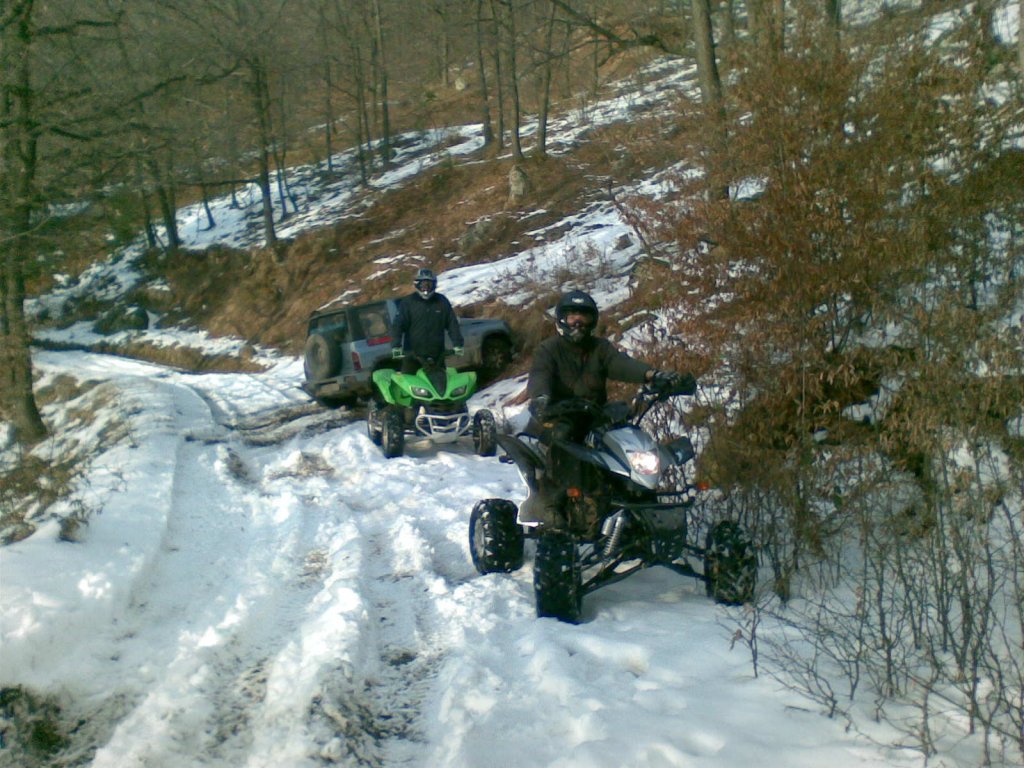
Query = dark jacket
x=563 y=369
x=421 y=324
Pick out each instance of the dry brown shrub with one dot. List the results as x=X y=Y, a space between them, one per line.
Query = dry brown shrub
x=31 y=486
x=883 y=244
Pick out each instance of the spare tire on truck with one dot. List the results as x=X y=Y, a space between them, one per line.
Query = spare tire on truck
x=321 y=358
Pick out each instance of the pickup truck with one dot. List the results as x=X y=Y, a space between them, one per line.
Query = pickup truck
x=345 y=345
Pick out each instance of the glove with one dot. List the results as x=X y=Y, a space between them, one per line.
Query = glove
x=457 y=351
x=681 y=384
x=687 y=385
x=538 y=406
x=397 y=353
x=664 y=379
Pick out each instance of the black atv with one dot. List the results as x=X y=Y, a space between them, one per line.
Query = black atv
x=610 y=521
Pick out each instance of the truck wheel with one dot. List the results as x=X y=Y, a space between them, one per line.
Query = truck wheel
x=557 y=586
x=393 y=432
x=485 y=433
x=321 y=358
x=730 y=566
x=496 y=540
x=495 y=355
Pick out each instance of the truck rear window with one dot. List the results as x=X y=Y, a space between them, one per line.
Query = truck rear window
x=374 y=325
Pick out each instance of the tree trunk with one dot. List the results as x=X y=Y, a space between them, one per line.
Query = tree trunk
x=834 y=13
x=710 y=92
x=18 y=402
x=279 y=149
x=499 y=79
x=325 y=52
x=165 y=196
x=17 y=189
x=261 y=105
x=382 y=80
x=328 y=117
x=485 y=107
x=545 y=91
x=778 y=25
x=729 y=24
x=444 y=42
x=513 y=82
x=140 y=183
x=362 y=135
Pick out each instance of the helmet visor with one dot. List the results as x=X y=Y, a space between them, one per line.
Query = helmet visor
x=579 y=319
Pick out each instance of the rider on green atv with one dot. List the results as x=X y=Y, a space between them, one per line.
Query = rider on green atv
x=424 y=317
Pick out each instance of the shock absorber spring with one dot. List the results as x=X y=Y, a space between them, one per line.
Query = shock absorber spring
x=613 y=528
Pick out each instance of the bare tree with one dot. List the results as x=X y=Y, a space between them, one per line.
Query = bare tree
x=381 y=79
x=19 y=135
x=244 y=36
x=549 y=57
x=46 y=120
x=710 y=91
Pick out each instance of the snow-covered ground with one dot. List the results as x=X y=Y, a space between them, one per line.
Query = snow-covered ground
x=257 y=586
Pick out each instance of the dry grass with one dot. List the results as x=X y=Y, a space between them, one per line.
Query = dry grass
x=265 y=298
x=456 y=213
x=31 y=487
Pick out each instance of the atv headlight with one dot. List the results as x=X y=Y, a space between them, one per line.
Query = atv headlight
x=644 y=462
x=458 y=391
x=421 y=392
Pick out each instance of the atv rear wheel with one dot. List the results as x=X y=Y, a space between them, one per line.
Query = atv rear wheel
x=485 y=433
x=557 y=586
x=374 y=421
x=496 y=540
x=730 y=567
x=393 y=432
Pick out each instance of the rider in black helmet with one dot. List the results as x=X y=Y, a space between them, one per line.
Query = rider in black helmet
x=577 y=364
x=424 y=317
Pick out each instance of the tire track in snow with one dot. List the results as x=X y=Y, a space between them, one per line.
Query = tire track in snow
x=376 y=707
x=236 y=568
x=406 y=582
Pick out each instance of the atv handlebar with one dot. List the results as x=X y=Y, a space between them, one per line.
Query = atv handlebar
x=648 y=395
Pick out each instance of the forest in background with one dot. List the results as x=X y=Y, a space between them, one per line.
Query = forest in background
x=861 y=310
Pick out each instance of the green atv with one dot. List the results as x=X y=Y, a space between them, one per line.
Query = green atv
x=430 y=404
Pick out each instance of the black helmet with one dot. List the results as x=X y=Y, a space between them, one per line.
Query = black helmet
x=425 y=283
x=576 y=302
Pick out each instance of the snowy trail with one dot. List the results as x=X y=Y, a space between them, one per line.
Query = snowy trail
x=226 y=577
x=265 y=589
x=310 y=603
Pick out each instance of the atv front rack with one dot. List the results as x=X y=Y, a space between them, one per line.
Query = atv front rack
x=442 y=428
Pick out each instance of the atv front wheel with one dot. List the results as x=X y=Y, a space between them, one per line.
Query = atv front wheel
x=485 y=433
x=393 y=432
x=374 y=421
x=730 y=567
x=557 y=586
x=495 y=538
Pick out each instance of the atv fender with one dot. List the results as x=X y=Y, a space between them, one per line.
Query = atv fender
x=526 y=458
